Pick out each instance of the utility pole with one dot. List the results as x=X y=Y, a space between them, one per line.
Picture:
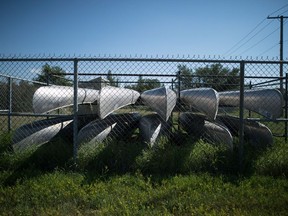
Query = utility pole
x=281 y=48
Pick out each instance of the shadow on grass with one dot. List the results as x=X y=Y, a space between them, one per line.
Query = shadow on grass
x=35 y=161
x=122 y=156
x=109 y=158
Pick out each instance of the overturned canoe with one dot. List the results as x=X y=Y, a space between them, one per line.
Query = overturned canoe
x=38 y=132
x=152 y=127
x=161 y=100
x=257 y=134
x=114 y=126
x=205 y=100
x=212 y=132
x=49 y=98
x=113 y=98
x=266 y=102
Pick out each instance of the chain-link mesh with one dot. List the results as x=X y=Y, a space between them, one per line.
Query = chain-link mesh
x=141 y=99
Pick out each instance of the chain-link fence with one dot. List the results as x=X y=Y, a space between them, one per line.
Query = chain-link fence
x=88 y=100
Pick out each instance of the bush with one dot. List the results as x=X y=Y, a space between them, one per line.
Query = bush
x=273 y=161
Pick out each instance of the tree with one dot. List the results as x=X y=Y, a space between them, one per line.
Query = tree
x=185 y=78
x=215 y=76
x=4 y=90
x=145 y=84
x=22 y=97
x=52 y=75
x=218 y=77
x=112 y=80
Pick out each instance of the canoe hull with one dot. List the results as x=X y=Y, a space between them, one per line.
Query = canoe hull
x=266 y=102
x=152 y=127
x=213 y=132
x=161 y=100
x=206 y=100
x=113 y=98
x=49 y=98
x=38 y=132
x=113 y=126
x=257 y=134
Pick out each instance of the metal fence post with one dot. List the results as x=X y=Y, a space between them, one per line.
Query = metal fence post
x=286 y=103
x=10 y=82
x=179 y=83
x=178 y=93
x=75 y=112
x=241 y=115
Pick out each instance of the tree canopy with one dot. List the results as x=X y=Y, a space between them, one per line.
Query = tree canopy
x=112 y=80
x=185 y=77
x=218 y=77
x=215 y=76
x=145 y=84
x=53 y=75
x=22 y=96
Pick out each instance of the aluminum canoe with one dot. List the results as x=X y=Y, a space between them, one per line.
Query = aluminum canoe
x=161 y=100
x=212 y=132
x=152 y=127
x=38 y=132
x=113 y=98
x=256 y=133
x=266 y=102
x=49 y=98
x=205 y=100
x=114 y=126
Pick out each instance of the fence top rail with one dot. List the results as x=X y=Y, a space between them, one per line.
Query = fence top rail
x=151 y=59
x=18 y=78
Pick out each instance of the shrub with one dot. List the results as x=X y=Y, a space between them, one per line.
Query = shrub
x=273 y=161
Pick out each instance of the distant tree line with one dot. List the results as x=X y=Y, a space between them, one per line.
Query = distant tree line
x=53 y=75
x=144 y=84
x=215 y=76
x=22 y=96
x=23 y=91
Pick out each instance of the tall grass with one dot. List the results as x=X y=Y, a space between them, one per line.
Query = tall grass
x=67 y=193
x=274 y=160
x=165 y=157
x=127 y=177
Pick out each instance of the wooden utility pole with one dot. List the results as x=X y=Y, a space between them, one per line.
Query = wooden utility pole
x=281 y=48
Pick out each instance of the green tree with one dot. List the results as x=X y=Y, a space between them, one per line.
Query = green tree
x=145 y=84
x=53 y=75
x=112 y=80
x=22 y=96
x=184 y=78
x=218 y=77
x=4 y=90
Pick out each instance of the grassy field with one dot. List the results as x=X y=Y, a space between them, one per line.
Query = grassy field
x=125 y=177
x=73 y=193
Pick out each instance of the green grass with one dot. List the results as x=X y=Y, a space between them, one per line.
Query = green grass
x=127 y=177
x=66 y=193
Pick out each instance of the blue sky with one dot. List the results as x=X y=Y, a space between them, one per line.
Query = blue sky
x=141 y=27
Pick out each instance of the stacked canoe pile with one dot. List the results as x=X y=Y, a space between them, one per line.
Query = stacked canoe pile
x=97 y=119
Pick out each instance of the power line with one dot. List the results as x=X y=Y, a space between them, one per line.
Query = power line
x=274 y=44
x=233 y=50
x=244 y=37
x=279 y=10
x=281 y=46
x=261 y=54
x=283 y=12
x=263 y=40
x=249 y=39
x=259 y=41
